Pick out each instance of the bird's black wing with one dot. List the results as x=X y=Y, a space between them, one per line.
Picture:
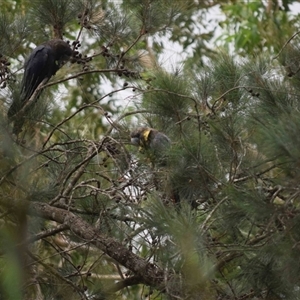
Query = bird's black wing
x=159 y=142
x=39 y=66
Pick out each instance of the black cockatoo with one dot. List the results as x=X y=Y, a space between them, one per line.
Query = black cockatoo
x=156 y=144
x=151 y=141
x=42 y=64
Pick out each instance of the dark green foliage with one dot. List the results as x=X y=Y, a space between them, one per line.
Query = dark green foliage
x=13 y=32
x=86 y=215
x=167 y=100
x=193 y=173
x=55 y=13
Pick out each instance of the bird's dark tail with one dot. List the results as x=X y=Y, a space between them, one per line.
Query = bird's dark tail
x=14 y=108
x=18 y=121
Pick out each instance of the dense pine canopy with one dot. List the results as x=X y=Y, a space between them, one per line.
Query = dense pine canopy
x=84 y=214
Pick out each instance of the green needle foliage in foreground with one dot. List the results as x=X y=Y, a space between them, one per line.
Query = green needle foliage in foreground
x=86 y=215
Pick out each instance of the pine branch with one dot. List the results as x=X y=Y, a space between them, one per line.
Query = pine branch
x=149 y=273
x=77 y=171
x=54 y=272
x=130 y=281
x=46 y=233
x=286 y=43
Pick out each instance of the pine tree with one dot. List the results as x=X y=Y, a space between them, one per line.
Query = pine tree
x=86 y=215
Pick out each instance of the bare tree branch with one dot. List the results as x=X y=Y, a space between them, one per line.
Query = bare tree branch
x=149 y=273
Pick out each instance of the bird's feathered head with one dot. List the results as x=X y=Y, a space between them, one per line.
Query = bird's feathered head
x=140 y=136
x=153 y=143
x=150 y=139
x=61 y=49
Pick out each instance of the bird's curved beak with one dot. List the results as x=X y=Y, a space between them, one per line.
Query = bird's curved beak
x=135 y=141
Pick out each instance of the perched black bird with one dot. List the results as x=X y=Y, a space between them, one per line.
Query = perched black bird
x=156 y=145
x=152 y=141
x=42 y=64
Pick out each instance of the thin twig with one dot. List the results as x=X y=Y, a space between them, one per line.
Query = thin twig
x=212 y=212
x=78 y=171
x=287 y=42
x=47 y=233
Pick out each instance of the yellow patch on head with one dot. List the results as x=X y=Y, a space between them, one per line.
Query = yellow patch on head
x=145 y=135
x=144 y=140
